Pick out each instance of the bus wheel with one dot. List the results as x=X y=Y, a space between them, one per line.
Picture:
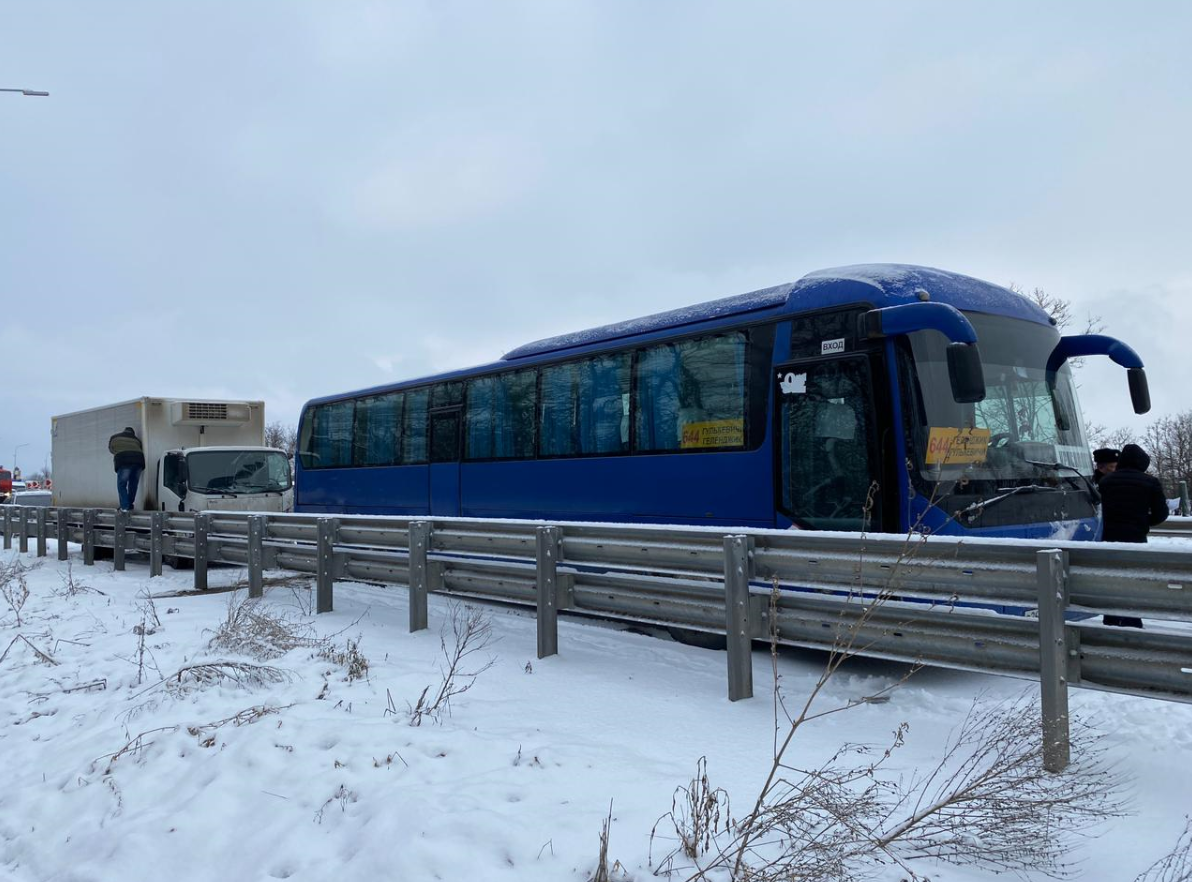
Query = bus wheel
x=702 y=639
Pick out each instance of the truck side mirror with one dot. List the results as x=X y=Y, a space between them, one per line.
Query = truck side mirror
x=1140 y=393
x=966 y=373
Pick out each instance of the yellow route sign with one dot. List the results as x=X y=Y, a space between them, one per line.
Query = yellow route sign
x=714 y=433
x=948 y=446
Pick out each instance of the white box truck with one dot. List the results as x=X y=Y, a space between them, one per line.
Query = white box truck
x=199 y=455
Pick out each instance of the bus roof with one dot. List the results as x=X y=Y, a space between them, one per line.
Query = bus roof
x=877 y=284
x=881 y=284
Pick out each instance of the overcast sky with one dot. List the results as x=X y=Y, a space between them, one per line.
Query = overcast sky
x=284 y=200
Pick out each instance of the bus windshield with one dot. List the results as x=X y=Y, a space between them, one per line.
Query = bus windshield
x=238 y=471
x=1018 y=433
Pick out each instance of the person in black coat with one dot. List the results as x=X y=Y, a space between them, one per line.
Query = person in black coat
x=1131 y=503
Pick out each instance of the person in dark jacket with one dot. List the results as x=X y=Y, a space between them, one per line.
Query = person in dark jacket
x=1104 y=462
x=129 y=461
x=1131 y=503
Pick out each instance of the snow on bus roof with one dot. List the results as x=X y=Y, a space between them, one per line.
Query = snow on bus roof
x=878 y=284
x=688 y=315
x=893 y=283
x=883 y=284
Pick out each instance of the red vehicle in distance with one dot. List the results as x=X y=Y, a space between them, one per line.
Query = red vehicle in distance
x=5 y=484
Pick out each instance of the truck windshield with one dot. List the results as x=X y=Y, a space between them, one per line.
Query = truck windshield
x=238 y=471
x=1015 y=437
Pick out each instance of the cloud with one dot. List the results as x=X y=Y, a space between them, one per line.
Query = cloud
x=440 y=174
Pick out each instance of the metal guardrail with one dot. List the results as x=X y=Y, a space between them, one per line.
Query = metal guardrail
x=718 y=582
x=1175 y=526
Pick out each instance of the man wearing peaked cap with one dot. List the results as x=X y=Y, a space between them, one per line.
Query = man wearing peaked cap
x=1105 y=461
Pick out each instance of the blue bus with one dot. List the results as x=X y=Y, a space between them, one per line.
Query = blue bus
x=877 y=397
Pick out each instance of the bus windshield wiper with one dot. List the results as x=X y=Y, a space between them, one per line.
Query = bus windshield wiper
x=1090 y=487
x=978 y=508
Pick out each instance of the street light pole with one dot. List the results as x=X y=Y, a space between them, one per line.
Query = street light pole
x=30 y=93
x=14 y=454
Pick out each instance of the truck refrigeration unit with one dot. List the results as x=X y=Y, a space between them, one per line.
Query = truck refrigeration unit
x=199 y=455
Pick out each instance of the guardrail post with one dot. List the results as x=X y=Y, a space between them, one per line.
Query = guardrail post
x=419 y=547
x=120 y=536
x=89 y=537
x=41 y=532
x=1185 y=505
x=157 y=528
x=325 y=574
x=8 y=510
x=256 y=556
x=24 y=534
x=737 y=564
x=1052 y=575
x=201 y=528
x=549 y=547
x=62 y=517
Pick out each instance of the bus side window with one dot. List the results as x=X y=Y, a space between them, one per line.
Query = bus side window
x=585 y=407
x=691 y=395
x=331 y=441
x=500 y=415
x=377 y=430
x=413 y=435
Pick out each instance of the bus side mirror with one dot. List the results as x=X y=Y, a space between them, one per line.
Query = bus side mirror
x=965 y=372
x=1140 y=393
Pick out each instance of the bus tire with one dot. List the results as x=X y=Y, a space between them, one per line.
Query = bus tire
x=701 y=639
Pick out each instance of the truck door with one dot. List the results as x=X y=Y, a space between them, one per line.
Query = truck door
x=446 y=424
x=171 y=485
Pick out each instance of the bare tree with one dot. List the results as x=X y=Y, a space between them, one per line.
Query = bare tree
x=1169 y=442
x=1117 y=438
x=1060 y=309
x=283 y=436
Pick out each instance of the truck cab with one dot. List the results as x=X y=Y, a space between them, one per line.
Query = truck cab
x=224 y=479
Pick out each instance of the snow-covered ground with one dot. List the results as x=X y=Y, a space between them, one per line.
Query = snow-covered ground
x=324 y=777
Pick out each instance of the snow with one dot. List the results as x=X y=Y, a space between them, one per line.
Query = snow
x=512 y=785
x=741 y=303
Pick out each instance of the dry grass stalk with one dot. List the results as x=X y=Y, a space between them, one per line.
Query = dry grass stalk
x=43 y=657
x=699 y=813
x=1176 y=865
x=71 y=587
x=343 y=796
x=206 y=732
x=988 y=802
x=349 y=657
x=253 y=628
x=205 y=674
x=14 y=588
x=605 y=873
x=471 y=630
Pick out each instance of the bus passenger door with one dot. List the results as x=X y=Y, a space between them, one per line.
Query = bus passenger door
x=444 y=461
x=829 y=464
